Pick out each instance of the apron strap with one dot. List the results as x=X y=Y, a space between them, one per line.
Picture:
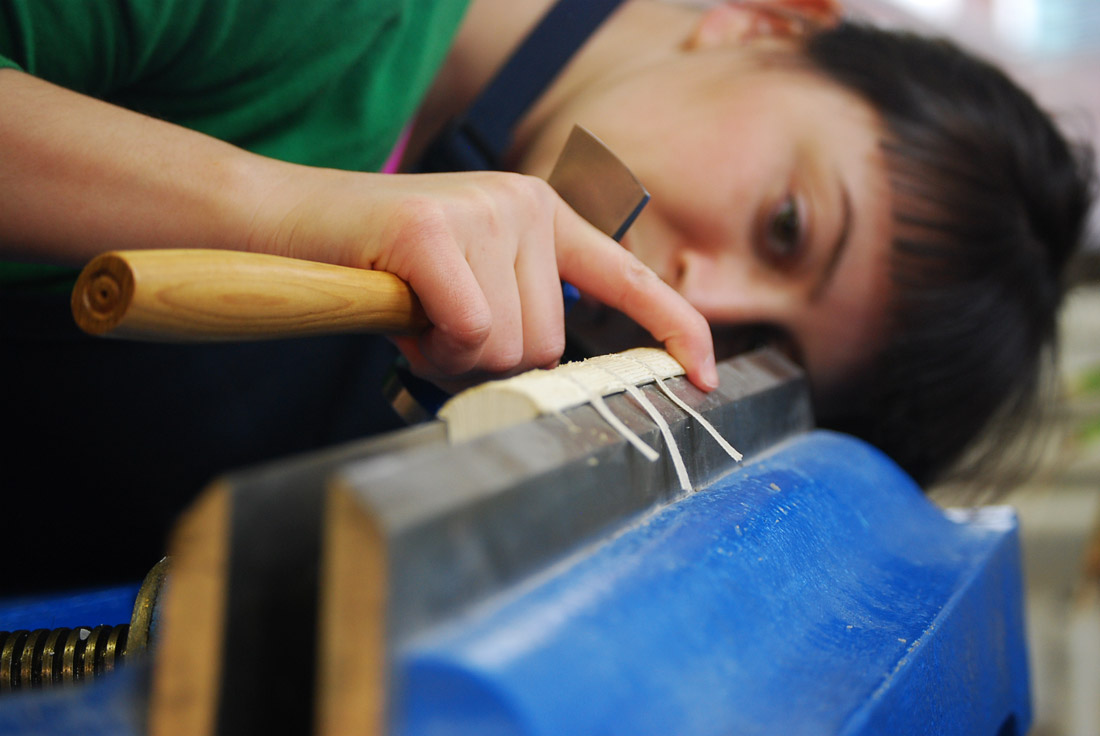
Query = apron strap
x=478 y=139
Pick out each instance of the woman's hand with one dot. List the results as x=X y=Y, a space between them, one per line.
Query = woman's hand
x=486 y=253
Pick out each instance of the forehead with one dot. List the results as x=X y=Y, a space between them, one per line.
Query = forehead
x=772 y=104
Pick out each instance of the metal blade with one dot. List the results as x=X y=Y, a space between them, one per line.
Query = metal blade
x=594 y=182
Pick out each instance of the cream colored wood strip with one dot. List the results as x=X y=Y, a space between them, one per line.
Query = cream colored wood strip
x=498 y=404
x=662 y=425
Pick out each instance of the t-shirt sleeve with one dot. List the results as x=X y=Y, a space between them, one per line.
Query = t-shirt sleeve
x=324 y=83
x=280 y=79
x=12 y=20
x=96 y=46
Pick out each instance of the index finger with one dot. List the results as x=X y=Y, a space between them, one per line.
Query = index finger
x=599 y=266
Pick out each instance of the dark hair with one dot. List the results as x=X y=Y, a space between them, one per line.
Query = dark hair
x=990 y=202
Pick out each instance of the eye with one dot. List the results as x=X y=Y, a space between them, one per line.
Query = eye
x=783 y=238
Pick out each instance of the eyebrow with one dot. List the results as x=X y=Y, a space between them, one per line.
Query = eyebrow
x=838 y=247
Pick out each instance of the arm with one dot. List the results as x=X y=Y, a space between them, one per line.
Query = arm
x=483 y=251
x=80 y=176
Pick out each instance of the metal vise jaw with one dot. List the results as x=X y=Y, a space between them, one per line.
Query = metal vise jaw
x=372 y=543
x=549 y=579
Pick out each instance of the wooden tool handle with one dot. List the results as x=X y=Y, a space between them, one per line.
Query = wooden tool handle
x=212 y=295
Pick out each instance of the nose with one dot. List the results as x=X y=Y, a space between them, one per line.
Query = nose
x=690 y=273
x=726 y=289
x=703 y=280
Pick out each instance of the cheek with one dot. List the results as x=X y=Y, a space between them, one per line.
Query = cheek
x=831 y=356
x=846 y=334
x=654 y=242
x=691 y=202
x=708 y=185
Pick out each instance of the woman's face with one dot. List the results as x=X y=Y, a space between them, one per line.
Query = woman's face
x=770 y=202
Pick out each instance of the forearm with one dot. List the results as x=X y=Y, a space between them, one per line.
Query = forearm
x=79 y=176
x=482 y=250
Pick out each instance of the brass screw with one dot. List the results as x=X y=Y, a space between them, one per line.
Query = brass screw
x=44 y=657
x=31 y=659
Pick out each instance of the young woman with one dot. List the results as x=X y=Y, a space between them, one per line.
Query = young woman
x=894 y=212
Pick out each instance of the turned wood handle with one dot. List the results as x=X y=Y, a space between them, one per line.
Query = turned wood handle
x=211 y=295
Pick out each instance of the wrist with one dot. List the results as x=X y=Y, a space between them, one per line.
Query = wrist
x=254 y=199
x=306 y=212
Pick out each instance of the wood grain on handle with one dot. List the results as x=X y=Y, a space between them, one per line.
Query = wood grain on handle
x=212 y=295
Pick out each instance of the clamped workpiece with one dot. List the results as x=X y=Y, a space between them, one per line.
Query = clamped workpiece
x=549 y=579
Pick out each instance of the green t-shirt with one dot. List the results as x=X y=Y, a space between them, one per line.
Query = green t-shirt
x=325 y=82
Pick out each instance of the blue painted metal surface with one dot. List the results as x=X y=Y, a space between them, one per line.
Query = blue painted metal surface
x=109 y=606
x=812 y=591
x=112 y=706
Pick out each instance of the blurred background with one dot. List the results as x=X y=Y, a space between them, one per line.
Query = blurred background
x=1052 y=47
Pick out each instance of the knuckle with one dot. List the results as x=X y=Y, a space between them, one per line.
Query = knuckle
x=637 y=277
x=531 y=193
x=511 y=206
x=547 y=351
x=537 y=187
x=497 y=205
x=468 y=330
x=505 y=359
x=419 y=224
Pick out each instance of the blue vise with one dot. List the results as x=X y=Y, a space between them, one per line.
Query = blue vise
x=812 y=591
x=549 y=580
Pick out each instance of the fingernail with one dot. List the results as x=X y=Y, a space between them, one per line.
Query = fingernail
x=710 y=373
